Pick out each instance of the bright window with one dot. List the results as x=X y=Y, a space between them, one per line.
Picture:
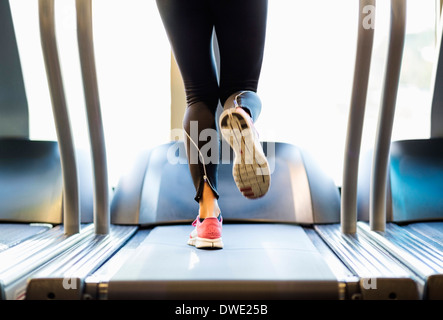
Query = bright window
x=305 y=84
x=308 y=68
x=133 y=67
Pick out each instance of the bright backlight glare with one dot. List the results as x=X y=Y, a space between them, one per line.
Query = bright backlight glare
x=305 y=84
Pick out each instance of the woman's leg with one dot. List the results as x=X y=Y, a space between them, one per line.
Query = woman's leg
x=241 y=29
x=189 y=26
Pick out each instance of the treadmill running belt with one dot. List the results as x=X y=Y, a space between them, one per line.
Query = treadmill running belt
x=258 y=261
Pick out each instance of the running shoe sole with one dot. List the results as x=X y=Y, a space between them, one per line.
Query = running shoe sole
x=206 y=243
x=251 y=169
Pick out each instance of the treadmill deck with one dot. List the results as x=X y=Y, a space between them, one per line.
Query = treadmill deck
x=258 y=261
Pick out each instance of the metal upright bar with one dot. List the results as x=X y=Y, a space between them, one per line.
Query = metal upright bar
x=71 y=201
x=380 y=164
x=356 y=117
x=95 y=124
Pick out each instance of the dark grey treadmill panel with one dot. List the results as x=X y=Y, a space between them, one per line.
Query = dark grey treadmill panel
x=31 y=187
x=175 y=198
x=300 y=190
x=415 y=181
x=30 y=181
x=258 y=261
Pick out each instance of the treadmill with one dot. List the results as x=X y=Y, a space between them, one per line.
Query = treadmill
x=291 y=244
x=84 y=246
x=402 y=182
x=40 y=204
x=14 y=134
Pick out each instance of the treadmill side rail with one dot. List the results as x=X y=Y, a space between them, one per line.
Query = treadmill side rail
x=64 y=277
x=420 y=254
x=24 y=259
x=381 y=275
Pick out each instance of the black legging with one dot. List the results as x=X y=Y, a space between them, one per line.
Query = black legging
x=240 y=26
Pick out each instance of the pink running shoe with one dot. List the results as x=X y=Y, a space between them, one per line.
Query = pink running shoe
x=251 y=169
x=207 y=234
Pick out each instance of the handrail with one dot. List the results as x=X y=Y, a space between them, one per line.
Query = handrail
x=380 y=163
x=95 y=124
x=71 y=201
x=348 y=214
